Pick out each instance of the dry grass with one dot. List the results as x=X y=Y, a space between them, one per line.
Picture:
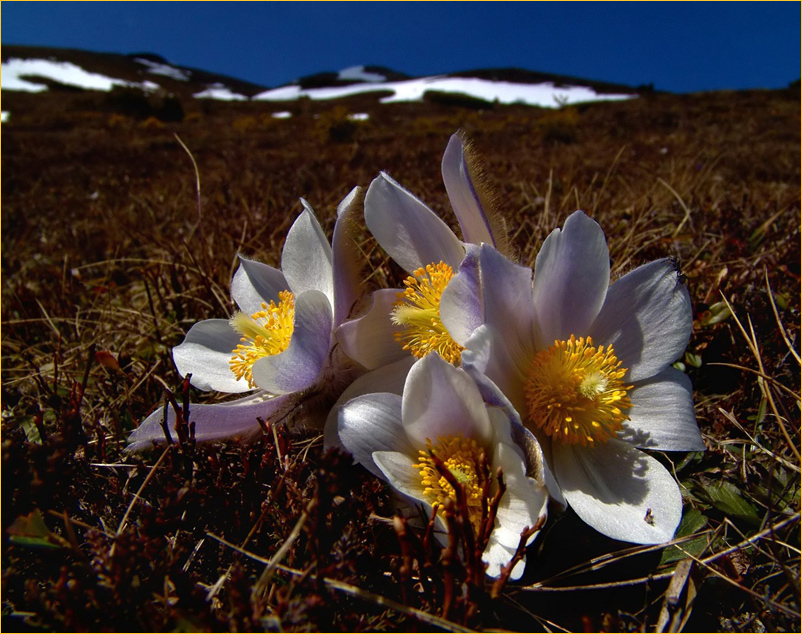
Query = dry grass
x=106 y=264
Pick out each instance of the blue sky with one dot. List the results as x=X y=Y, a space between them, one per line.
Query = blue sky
x=677 y=46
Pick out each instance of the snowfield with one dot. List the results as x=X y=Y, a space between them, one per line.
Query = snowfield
x=544 y=95
x=219 y=92
x=13 y=71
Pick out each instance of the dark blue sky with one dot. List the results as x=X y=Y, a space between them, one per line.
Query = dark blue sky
x=677 y=46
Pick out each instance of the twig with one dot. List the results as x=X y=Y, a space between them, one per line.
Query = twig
x=538 y=587
x=283 y=549
x=748 y=591
x=673 y=615
x=137 y=495
x=347 y=588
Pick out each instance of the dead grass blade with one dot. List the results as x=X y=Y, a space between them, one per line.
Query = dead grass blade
x=751 y=341
x=138 y=494
x=347 y=588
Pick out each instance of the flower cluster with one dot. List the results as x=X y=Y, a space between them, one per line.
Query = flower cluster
x=480 y=382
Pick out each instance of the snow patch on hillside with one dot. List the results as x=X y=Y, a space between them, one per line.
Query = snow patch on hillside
x=545 y=95
x=164 y=69
x=358 y=73
x=221 y=92
x=14 y=71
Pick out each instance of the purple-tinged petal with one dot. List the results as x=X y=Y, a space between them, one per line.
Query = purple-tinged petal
x=306 y=259
x=369 y=340
x=441 y=400
x=408 y=230
x=299 y=366
x=619 y=491
x=662 y=414
x=205 y=353
x=399 y=470
x=461 y=301
x=462 y=194
x=234 y=419
x=371 y=423
x=390 y=379
x=255 y=283
x=345 y=258
x=572 y=272
x=489 y=359
x=647 y=318
x=507 y=305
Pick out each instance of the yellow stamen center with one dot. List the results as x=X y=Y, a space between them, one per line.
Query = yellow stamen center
x=265 y=333
x=463 y=457
x=575 y=392
x=418 y=311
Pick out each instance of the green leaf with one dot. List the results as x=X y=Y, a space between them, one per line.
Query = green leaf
x=693 y=359
x=692 y=522
x=715 y=314
x=31 y=430
x=728 y=499
x=31 y=530
x=775 y=489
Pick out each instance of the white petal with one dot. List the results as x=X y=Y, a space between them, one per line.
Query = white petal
x=662 y=414
x=299 y=366
x=306 y=259
x=235 y=419
x=572 y=273
x=205 y=353
x=457 y=179
x=399 y=470
x=345 y=258
x=619 y=491
x=523 y=503
x=487 y=353
x=497 y=556
x=508 y=304
x=255 y=283
x=441 y=400
x=369 y=423
x=369 y=339
x=501 y=423
x=647 y=318
x=408 y=230
x=389 y=378
x=461 y=301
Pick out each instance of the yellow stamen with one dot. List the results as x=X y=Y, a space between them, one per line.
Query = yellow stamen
x=265 y=333
x=463 y=457
x=418 y=311
x=575 y=392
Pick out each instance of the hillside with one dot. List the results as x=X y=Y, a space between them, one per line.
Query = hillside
x=36 y=69
x=109 y=257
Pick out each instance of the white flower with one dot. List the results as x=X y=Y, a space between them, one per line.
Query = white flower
x=587 y=364
x=440 y=305
x=441 y=411
x=280 y=342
